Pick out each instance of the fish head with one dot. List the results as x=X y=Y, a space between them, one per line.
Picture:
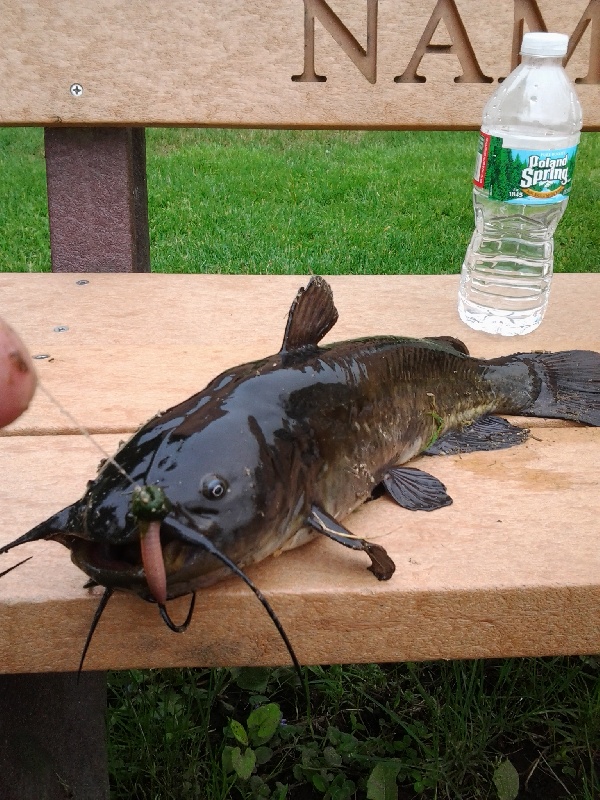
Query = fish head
x=226 y=490
x=229 y=493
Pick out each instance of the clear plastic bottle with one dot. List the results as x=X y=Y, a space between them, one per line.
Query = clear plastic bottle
x=527 y=146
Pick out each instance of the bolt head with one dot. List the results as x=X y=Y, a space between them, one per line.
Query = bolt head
x=76 y=89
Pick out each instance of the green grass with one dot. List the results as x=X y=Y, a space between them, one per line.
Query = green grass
x=24 y=238
x=333 y=202
x=292 y=202
x=281 y=202
x=439 y=730
x=297 y=202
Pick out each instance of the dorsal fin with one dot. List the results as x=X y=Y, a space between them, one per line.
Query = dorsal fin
x=312 y=315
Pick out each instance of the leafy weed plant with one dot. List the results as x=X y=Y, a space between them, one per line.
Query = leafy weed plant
x=468 y=730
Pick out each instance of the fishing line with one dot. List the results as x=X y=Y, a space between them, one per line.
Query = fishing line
x=109 y=459
x=108 y=592
x=85 y=432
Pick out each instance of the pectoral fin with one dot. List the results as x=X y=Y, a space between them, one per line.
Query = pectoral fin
x=382 y=565
x=415 y=490
x=486 y=433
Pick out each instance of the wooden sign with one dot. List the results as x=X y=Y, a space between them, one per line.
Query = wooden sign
x=283 y=63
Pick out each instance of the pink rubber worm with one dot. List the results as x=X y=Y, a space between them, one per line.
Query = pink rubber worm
x=153 y=562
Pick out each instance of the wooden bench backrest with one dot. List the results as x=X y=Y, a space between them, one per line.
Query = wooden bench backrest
x=277 y=63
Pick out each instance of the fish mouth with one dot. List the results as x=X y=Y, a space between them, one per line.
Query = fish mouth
x=184 y=567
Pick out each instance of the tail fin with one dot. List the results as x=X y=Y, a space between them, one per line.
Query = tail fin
x=570 y=385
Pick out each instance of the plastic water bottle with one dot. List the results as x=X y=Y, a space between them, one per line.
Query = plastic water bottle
x=523 y=172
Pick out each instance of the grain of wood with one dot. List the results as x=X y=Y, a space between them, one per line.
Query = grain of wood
x=232 y=62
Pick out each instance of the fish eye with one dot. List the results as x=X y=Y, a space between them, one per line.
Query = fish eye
x=214 y=487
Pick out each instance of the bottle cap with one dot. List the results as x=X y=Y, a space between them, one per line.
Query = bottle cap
x=544 y=44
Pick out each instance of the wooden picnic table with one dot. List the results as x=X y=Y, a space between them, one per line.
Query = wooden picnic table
x=511 y=568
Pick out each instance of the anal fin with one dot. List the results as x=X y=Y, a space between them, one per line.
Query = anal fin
x=486 y=433
x=382 y=565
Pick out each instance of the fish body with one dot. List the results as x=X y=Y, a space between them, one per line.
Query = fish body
x=273 y=452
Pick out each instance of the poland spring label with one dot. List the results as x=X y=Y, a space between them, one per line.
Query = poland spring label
x=523 y=176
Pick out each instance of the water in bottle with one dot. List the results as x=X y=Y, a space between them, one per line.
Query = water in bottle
x=524 y=167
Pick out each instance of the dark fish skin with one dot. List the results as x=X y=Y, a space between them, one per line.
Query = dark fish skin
x=320 y=426
x=269 y=444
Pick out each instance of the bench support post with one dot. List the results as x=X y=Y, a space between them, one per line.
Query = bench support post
x=53 y=737
x=97 y=199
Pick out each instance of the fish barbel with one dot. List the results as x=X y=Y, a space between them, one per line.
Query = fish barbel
x=273 y=452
